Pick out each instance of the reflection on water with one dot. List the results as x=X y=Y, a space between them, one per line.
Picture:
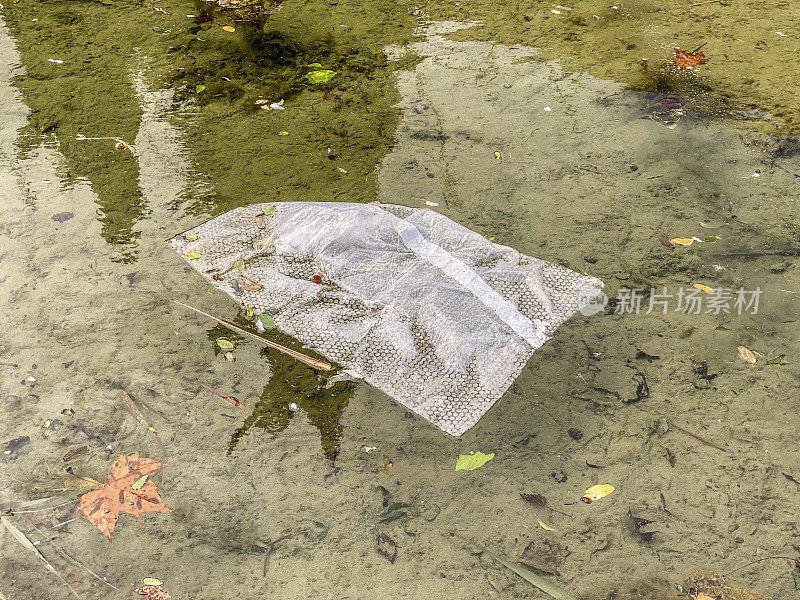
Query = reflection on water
x=293 y=388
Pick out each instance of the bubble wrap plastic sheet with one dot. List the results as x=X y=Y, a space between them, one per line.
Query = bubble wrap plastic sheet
x=433 y=314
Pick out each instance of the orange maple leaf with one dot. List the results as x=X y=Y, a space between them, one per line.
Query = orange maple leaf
x=684 y=59
x=102 y=506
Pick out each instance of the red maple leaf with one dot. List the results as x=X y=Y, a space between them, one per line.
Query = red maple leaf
x=128 y=488
x=684 y=59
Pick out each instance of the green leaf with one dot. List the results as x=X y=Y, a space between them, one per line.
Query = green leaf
x=320 y=76
x=249 y=311
x=225 y=344
x=267 y=321
x=778 y=360
x=711 y=239
x=239 y=264
x=200 y=88
x=269 y=211
x=473 y=460
x=139 y=483
x=314 y=66
x=192 y=255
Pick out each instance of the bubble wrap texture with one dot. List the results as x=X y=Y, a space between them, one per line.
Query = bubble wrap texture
x=339 y=278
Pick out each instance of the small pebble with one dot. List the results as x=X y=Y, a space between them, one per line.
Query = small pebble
x=575 y=433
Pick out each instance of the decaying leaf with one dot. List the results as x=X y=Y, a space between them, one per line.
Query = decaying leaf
x=152 y=592
x=747 y=355
x=260 y=223
x=685 y=59
x=537 y=499
x=546 y=556
x=102 y=506
x=682 y=241
x=82 y=483
x=252 y=287
x=473 y=460
x=638 y=523
x=596 y=492
x=386 y=466
x=229 y=28
x=387 y=547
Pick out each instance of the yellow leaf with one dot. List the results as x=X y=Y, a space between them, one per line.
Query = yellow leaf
x=191 y=237
x=230 y=28
x=239 y=264
x=151 y=581
x=747 y=355
x=82 y=483
x=596 y=492
x=283 y=133
x=498 y=156
x=543 y=526
x=192 y=255
x=703 y=288
x=682 y=241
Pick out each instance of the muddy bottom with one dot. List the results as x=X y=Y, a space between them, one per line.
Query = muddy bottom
x=677 y=391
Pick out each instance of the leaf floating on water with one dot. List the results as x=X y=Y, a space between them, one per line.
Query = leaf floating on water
x=314 y=66
x=249 y=311
x=239 y=264
x=684 y=59
x=320 y=76
x=191 y=255
x=229 y=28
x=102 y=507
x=153 y=592
x=747 y=355
x=260 y=223
x=152 y=581
x=225 y=344
x=596 y=492
x=139 y=483
x=473 y=460
x=200 y=88
x=267 y=321
x=269 y=211
x=682 y=241
x=703 y=288
x=386 y=466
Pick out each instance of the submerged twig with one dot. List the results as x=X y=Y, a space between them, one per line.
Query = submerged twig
x=226 y=397
x=697 y=437
x=313 y=362
x=126 y=398
x=795 y=560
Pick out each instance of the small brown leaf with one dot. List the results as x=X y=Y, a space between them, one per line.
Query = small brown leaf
x=684 y=59
x=386 y=466
x=260 y=223
x=536 y=499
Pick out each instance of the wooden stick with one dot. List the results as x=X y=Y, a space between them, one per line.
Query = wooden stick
x=312 y=362
x=697 y=437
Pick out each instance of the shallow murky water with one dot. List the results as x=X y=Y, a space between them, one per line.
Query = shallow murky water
x=535 y=126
